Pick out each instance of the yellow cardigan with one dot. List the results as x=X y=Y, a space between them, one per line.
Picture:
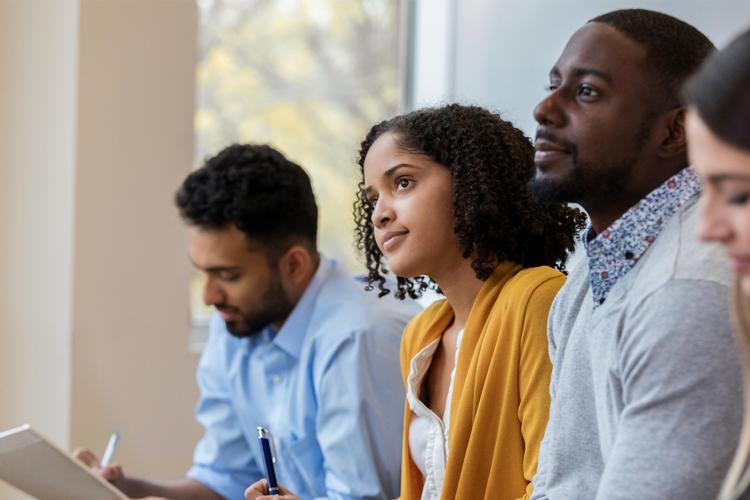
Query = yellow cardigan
x=500 y=399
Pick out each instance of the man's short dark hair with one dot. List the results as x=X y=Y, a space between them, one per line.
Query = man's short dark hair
x=675 y=50
x=255 y=188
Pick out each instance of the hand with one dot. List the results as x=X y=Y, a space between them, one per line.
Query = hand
x=112 y=473
x=258 y=491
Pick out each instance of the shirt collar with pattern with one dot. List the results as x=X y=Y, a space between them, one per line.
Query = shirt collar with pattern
x=615 y=251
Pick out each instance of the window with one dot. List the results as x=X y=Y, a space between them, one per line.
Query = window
x=309 y=77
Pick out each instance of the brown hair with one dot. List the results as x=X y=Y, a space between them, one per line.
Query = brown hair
x=738 y=477
x=720 y=93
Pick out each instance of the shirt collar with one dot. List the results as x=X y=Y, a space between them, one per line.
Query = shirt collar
x=616 y=250
x=292 y=333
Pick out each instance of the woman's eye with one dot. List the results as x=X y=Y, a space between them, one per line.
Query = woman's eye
x=551 y=87
x=372 y=201
x=403 y=183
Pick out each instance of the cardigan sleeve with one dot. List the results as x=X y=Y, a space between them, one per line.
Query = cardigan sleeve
x=534 y=374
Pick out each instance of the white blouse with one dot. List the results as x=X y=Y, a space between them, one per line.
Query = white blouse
x=428 y=435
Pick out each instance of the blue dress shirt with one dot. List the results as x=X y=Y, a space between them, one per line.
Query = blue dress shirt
x=327 y=385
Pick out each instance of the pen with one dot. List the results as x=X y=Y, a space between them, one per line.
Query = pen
x=110 y=451
x=266 y=447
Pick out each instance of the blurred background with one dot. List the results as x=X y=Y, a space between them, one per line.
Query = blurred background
x=106 y=105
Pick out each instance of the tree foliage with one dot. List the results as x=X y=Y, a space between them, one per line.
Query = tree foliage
x=307 y=76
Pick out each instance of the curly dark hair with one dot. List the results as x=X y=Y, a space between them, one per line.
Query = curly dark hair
x=496 y=218
x=674 y=49
x=257 y=189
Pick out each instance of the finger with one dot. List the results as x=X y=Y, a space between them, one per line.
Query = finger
x=257 y=489
x=86 y=456
x=285 y=494
x=111 y=472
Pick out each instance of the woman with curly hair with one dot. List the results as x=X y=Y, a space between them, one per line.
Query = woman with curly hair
x=443 y=204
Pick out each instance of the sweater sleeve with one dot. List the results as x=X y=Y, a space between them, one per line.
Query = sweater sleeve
x=534 y=375
x=540 y=476
x=681 y=396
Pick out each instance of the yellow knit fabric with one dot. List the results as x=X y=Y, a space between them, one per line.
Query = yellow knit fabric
x=500 y=399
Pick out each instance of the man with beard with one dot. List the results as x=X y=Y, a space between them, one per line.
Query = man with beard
x=297 y=346
x=646 y=388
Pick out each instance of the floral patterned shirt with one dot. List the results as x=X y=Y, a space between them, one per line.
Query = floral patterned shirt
x=615 y=251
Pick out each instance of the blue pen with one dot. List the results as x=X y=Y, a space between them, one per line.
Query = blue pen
x=267 y=449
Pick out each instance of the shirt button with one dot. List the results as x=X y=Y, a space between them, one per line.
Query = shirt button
x=629 y=255
x=276 y=379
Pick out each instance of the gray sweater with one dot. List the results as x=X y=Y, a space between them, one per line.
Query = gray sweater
x=646 y=389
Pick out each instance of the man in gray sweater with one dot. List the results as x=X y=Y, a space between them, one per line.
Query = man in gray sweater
x=646 y=385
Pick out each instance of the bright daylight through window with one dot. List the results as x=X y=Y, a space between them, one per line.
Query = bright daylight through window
x=308 y=77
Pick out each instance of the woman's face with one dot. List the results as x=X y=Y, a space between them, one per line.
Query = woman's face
x=412 y=198
x=726 y=194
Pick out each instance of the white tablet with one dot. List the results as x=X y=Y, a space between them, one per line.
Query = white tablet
x=37 y=467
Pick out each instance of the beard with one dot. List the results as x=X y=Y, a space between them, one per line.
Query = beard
x=275 y=306
x=587 y=183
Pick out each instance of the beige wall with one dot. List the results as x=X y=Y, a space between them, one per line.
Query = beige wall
x=38 y=52
x=96 y=132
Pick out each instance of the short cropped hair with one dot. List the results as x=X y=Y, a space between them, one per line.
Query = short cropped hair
x=675 y=50
x=255 y=188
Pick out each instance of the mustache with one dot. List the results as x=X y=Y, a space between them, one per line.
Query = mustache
x=570 y=147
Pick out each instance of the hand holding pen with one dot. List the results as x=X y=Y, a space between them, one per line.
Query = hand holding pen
x=259 y=491
x=268 y=487
x=112 y=473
